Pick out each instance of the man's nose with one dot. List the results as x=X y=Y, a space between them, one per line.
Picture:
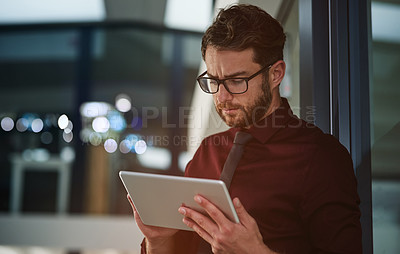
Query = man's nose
x=223 y=95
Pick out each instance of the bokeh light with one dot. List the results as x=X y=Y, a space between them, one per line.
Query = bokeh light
x=22 y=125
x=37 y=125
x=27 y=154
x=37 y=154
x=69 y=127
x=125 y=146
x=95 y=139
x=85 y=134
x=68 y=137
x=163 y=155
x=110 y=145
x=133 y=138
x=94 y=109
x=123 y=103
x=101 y=124
x=41 y=154
x=7 y=124
x=117 y=121
x=67 y=154
x=29 y=117
x=63 y=121
x=140 y=147
x=183 y=160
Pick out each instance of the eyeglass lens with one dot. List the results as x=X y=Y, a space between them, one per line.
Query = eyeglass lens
x=232 y=85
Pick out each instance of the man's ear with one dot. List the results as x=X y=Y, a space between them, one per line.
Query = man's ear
x=276 y=73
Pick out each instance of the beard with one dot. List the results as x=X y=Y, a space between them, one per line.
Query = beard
x=250 y=114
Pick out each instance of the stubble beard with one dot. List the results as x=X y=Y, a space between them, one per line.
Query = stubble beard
x=248 y=115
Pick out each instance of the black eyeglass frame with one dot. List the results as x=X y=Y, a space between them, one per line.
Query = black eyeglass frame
x=222 y=81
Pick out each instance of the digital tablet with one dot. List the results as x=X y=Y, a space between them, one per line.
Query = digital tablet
x=158 y=197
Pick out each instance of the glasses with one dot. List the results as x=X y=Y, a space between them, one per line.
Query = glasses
x=232 y=85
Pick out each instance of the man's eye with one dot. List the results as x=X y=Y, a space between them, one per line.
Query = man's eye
x=236 y=81
x=213 y=82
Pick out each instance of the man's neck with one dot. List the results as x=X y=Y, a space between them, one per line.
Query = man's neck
x=275 y=104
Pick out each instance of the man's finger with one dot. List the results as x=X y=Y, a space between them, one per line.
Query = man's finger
x=213 y=211
x=199 y=222
x=135 y=213
x=199 y=230
x=131 y=202
x=244 y=217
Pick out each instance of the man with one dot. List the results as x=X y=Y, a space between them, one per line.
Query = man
x=294 y=188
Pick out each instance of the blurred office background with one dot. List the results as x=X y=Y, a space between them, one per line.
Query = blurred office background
x=90 y=88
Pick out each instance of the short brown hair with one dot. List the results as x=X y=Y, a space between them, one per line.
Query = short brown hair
x=243 y=26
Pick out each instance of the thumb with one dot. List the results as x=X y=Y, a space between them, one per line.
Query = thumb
x=135 y=213
x=132 y=205
x=130 y=200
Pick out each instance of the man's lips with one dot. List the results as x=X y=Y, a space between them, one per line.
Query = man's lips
x=230 y=110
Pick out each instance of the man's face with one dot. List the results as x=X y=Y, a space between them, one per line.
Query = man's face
x=238 y=110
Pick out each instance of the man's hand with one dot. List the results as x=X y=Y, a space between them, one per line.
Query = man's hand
x=158 y=239
x=224 y=235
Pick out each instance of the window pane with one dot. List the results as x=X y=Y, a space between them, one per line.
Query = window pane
x=90 y=102
x=385 y=127
x=290 y=86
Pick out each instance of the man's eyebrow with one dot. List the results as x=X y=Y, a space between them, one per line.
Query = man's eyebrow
x=232 y=75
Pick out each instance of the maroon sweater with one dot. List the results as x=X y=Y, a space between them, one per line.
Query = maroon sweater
x=297 y=182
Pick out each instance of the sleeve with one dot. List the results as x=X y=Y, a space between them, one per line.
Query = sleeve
x=185 y=242
x=330 y=202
